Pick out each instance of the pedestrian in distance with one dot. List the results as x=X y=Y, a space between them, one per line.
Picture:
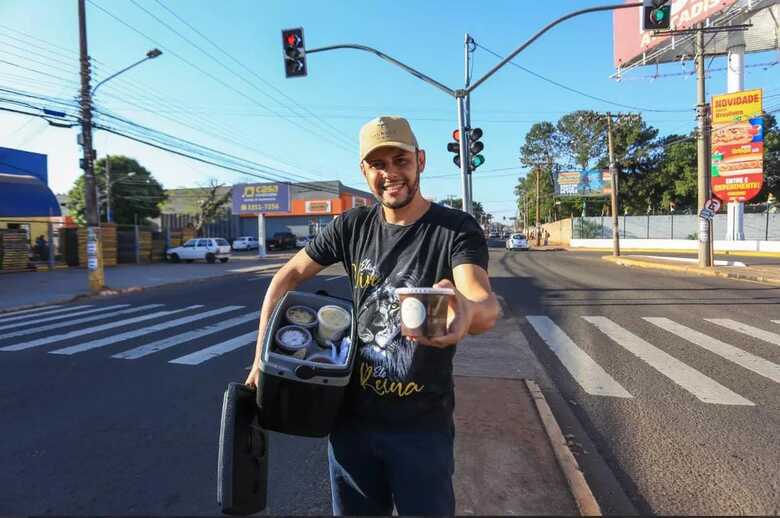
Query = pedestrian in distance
x=393 y=441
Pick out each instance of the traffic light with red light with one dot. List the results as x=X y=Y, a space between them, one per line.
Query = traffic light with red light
x=294 y=53
x=454 y=147
x=656 y=14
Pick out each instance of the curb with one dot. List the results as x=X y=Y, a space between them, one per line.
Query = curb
x=676 y=251
x=578 y=486
x=109 y=292
x=696 y=270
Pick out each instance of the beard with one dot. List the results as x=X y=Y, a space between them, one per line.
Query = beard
x=399 y=204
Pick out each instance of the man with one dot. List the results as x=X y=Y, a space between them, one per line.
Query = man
x=393 y=444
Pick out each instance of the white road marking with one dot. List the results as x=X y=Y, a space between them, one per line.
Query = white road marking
x=219 y=349
x=589 y=374
x=173 y=341
x=43 y=313
x=71 y=323
x=742 y=358
x=336 y=278
x=704 y=388
x=69 y=315
x=739 y=327
x=31 y=310
x=92 y=330
x=111 y=340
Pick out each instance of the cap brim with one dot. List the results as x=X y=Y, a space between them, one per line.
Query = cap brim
x=400 y=145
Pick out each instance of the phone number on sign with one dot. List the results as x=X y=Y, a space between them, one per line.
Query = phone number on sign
x=260 y=206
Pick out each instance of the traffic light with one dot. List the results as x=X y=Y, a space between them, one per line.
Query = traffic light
x=656 y=14
x=475 y=148
x=294 y=53
x=454 y=147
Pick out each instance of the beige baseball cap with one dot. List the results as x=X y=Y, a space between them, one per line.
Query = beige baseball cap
x=386 y=131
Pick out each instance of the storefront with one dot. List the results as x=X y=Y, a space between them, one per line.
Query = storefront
x=302 y=209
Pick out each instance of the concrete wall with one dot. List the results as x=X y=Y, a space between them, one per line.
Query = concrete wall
x=560 y=232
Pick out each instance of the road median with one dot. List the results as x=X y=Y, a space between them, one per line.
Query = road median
x=763 y=274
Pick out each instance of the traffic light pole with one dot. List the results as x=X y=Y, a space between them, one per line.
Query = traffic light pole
x=467 y=190
x=94 y=241
x=461 y=96
x=614 y=195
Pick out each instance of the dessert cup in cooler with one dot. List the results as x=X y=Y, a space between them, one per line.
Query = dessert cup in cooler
x=292 y=339
x=424 y=311
x=303 y=316
x=333 y=323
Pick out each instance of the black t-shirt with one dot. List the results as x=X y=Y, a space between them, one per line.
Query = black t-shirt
x=396 y=381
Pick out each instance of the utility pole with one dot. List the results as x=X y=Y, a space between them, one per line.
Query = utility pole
x=613 y=196
x=703 y=152
x=94 y=242
x=538 y=220
x=108 y=188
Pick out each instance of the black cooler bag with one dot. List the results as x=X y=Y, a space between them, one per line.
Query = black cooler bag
x=242 y=468
x=296 y=396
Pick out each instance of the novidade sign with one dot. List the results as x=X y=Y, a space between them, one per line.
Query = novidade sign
x=590 y=182
x=737 y=145
x=254 y=198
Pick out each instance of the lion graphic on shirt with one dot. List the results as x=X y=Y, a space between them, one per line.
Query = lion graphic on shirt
x=379 y=328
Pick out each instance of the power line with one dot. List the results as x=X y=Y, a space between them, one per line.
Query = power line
x=579 y=92
x=242 y=65
x=213 y=77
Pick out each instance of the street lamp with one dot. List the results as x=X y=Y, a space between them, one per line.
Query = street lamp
x=149 y=55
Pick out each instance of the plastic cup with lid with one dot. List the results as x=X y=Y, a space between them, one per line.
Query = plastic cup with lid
x=424 y=311
x=333 y=322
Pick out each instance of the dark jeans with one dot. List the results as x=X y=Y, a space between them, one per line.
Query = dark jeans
x=372 y=470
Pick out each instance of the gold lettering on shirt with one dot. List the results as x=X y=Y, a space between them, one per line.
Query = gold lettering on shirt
x=383 y=386
x=363 y=279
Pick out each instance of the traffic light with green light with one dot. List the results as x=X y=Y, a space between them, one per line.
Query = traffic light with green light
x=294 y=53
x=475 y=148
x=656 y=14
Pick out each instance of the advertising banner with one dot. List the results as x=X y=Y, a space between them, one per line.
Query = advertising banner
x=591 y=182
x=737 y=145
x=252 y=198
x=631 y=42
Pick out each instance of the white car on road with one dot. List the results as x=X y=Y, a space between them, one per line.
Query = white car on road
x=209 y=249
x=517 y=242
x=245 y=243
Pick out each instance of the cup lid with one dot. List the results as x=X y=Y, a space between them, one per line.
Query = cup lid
x=424 y=291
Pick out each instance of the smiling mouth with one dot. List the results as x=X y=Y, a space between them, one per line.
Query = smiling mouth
x=393 y=187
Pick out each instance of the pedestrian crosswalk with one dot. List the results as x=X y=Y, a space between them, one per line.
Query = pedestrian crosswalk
x=597 y=381
x=119 y=328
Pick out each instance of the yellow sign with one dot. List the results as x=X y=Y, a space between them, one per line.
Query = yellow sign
x=736 y=106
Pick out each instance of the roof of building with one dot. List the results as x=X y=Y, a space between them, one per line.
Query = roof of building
x=26 y=196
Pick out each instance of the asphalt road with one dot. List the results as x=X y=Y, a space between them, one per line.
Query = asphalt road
x=86 y=433
x=124 y=419
x=688 y=428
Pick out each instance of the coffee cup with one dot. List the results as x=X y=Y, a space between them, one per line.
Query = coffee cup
x=424 y=311
x=333 y=323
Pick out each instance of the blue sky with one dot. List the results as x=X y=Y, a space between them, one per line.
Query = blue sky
x=239 y=108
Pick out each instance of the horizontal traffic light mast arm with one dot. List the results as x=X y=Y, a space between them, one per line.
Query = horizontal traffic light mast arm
x=545 y=29
x=389 y=59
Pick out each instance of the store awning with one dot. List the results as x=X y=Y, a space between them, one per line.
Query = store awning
x=23 y=196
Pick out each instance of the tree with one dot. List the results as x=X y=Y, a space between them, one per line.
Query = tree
x=457 y=203
x=212 y=204
x=135 y=194
x=582 y=137
x=771 y=159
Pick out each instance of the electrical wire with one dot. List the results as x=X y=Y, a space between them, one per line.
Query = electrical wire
x=218 y=80
x=242 y=65
x=579 y=92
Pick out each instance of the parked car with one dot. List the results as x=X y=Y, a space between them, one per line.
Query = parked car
x=281 y=241
x=209 y=249
x=517 y=242
x=302 y=241
x=246 y=243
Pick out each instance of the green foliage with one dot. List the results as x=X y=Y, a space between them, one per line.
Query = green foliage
x=479 y=210
x=582 y=138
x=134 y=192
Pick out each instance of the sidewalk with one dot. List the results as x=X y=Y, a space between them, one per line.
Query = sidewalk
x=769 y=274
x=510 y=455
x=23 y=289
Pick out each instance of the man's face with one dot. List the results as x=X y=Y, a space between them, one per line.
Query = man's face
x=393 y=175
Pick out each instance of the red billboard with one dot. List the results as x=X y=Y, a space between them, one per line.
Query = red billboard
x=631 y=42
